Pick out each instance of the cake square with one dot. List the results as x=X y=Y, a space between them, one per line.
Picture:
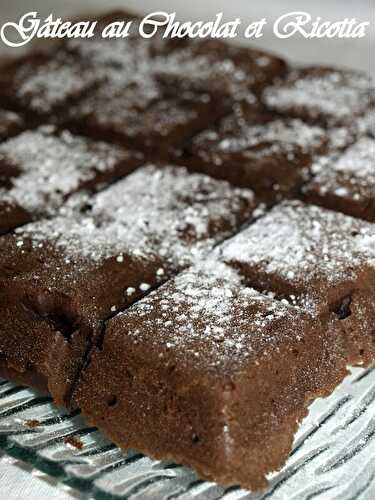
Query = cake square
x=346 y=182
x=41 y=84
x=252 y=148
x=327 y=96
x=320 y=260
x=133 y=108
x=218 y=68
x=131 y=103
x=41 y=168
x=196 y=372
x=65 y=275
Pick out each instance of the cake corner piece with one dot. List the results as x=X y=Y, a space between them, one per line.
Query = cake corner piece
x=210 y=373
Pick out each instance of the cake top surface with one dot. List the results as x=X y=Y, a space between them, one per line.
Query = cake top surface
x=46 y=84
x=187 y=64
x=165 y=210
x=215 y=66
x=107 y=54
x=322 y=92
x=137 y=108
x=350 y=175
x=303 y=245
x=124 y=91
x=207 y=319
x=356 y=162
x=237 y=134
x=49 y=167
x=358 y=159
x=134 y=104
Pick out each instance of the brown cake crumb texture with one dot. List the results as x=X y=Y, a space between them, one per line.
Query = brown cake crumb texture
x=32 y=423
x=188 y=247
x=73 y=441
x=346 y=181
x=61 y=277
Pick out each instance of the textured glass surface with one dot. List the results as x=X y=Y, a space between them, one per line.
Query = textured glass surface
x=333 y=456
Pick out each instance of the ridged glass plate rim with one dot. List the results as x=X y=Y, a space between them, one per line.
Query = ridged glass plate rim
x=333 y=456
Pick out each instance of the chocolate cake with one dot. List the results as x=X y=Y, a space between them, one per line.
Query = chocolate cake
x=40 y=169
x=42 y=84
x=61 y=277
x=213 y=66
x=196 y=372
x=327 y=96
x=135 y=110
x=320 y=260
x=252 y=148
x=346 y=182
x=182 y=315
x=156 y=95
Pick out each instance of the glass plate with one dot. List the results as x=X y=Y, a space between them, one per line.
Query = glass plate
x=333 y=456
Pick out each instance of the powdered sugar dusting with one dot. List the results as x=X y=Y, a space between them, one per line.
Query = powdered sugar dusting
x=165 y=211
x=106 y=53
x=206 y=316
x=351 y=174
x=299 y=243
x=119 y=97
x=315 y=93
x=366 y=123
x=124 y=55
x=281 y=135
x=51 y=84
x=134 y=105
x=204 y=73
x=50 y=167
x=358 y=160
x=216 y=67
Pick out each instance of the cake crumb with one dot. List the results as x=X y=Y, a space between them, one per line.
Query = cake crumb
x=73 y=441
